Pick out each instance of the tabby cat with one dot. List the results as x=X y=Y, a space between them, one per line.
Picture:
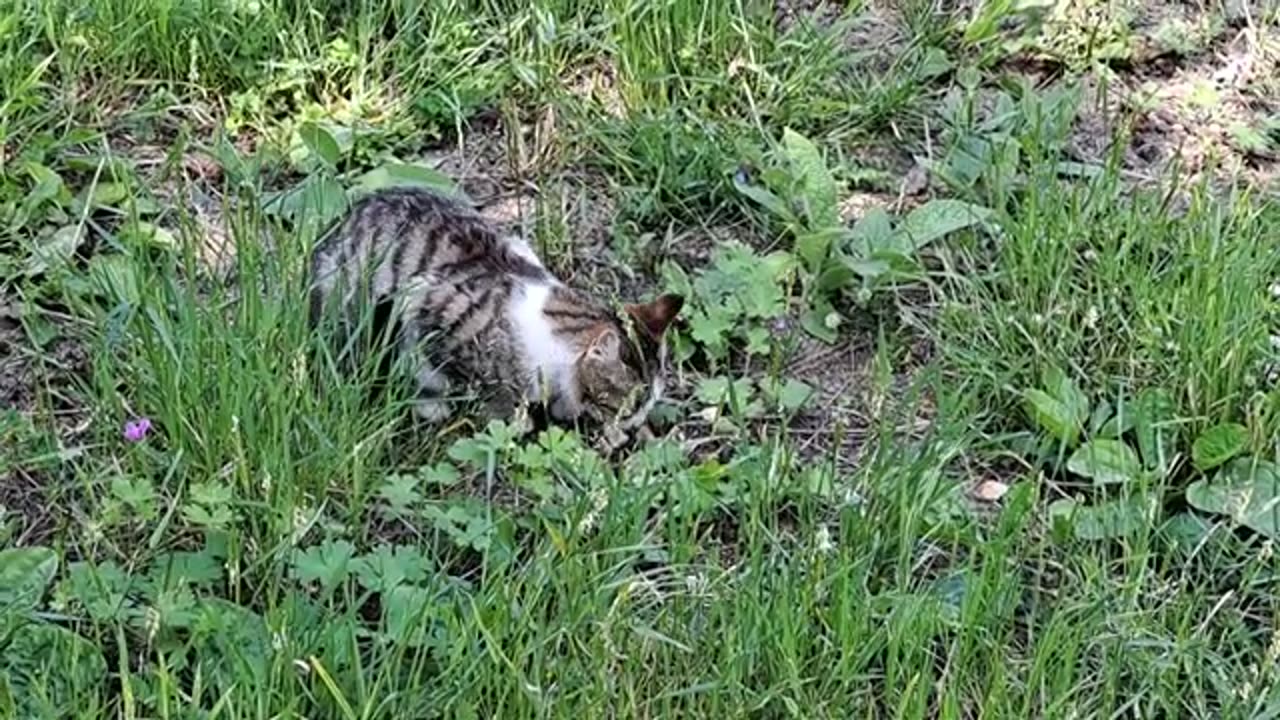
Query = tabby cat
x=477 y=310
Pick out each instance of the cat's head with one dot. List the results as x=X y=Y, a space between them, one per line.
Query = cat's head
x=622 y=373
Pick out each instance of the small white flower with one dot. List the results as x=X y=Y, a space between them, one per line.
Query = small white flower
x=298 y=367
x=852 y=498
x=1090 y=255
x=1091 y=317
x=1273 y=650
x=822 y=540
x=1275 y=290
x=301 y=524
x=599 y=501
x=696 y=584
x=646 y=585
x=151 y=622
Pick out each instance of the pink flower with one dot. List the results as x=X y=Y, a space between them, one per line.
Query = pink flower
x=136 y=430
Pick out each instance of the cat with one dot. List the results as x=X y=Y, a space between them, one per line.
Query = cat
x=476 y=309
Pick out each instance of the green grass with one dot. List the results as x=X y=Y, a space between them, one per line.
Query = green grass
x=286 y=543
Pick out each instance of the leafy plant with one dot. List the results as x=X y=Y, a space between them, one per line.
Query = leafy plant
x=992 y=136
x=800 y=191
x=322 y=152
x=1218 y=444
x=1247 y=490
x=1122 y=477
x=725 y=401
x=732 y=300
x=45 y=670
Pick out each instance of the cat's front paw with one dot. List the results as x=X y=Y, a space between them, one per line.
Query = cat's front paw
x=522 y=420
x=431 y=410
x=611 y=439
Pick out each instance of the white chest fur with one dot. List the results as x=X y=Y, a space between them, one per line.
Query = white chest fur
x=550 y=358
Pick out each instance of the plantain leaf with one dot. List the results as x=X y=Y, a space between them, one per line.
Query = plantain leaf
x=1218 y=444
x=1105 y=461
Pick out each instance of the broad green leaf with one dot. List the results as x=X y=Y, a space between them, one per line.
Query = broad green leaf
x=1053 y=415
x=936 y=219
x=717 y=390
x=817 y=186
x=814 y=246
x=757 y=341
x=52 y=672
x=712 y=329
x=1104 y=520
x=103 y=589
x=675 y=279
x=477 y=452
x=314 y=202
x=866 y=269
x=1101 y=413
x=764 y=198
x=778 y=265
x=1247 y=491
x=155 y=236
x=1105 y=461
x=873 y=231
x=56 y=251
x=326 y=565
x=407 y=175
x=25 y=573
x=837 y=276
x=1119 y=422
x=110 y=168
x=1186 y=530
x=790 y=394
x=817 y=322
x=400 y=492
x=442 y=473
x=321 y=143
x=103 y=195
x=232 y=641
x=934 y=63
x=1060 y=386
x=198 y=568
x=762 y=298
x=48 y=184
x=1218 y=444
x=901 y=265
x=1153 y=415
x=388 y=567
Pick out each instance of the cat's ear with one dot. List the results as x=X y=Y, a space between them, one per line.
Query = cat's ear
x=655 y=317
x=606 y=346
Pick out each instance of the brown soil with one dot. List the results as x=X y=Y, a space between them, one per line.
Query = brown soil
x=35 y=384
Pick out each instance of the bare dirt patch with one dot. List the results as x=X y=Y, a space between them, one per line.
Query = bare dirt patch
x=35 y=384
x=1199 y=96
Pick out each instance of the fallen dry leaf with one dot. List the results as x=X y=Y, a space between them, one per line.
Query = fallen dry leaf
x=990 y=490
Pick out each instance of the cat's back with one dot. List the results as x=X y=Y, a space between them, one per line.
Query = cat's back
x=401 y=235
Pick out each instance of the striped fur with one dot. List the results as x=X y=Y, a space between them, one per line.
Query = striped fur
x=478 y=314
